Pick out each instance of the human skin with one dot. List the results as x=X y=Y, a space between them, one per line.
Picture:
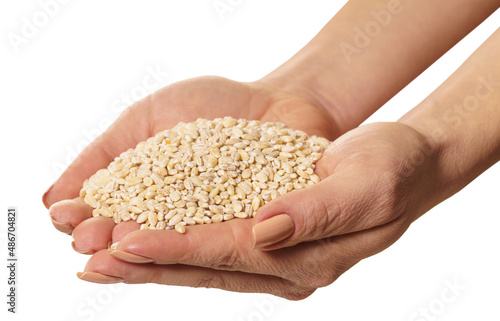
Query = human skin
x=372 y=185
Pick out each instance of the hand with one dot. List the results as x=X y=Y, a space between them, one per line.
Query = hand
x=207 y=97
x=371 y=190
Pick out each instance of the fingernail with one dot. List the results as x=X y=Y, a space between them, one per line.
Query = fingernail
x=80 y=251
x=63 y=227
x=129 y=257
x=98 y=277
x=44 y=197
x=272 y=230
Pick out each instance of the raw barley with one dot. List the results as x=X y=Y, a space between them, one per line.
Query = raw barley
x=207 y=171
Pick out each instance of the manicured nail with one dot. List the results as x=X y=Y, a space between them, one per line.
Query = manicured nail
x=98 y=277
x=272 y=230
x=129 y=257
x=63 y=227
x=81 y=251
x=44 y=197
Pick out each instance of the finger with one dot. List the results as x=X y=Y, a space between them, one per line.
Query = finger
x=67 y=214
x=85 y=245
x=223 y=246
x=311 y=264
x=192 y=276
x=129 y=129
x=124 y=228
x=219 y=246
x=93 y=234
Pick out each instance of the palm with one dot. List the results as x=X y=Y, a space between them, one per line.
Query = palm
x=212 y=97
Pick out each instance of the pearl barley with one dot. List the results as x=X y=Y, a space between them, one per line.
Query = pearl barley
x=207 y=171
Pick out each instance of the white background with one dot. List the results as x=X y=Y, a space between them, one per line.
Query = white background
x=71 y=77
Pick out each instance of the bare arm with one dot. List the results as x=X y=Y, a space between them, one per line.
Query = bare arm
x=371 y=50
x=461 y=119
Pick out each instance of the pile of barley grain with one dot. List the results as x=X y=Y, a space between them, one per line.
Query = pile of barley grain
x=207 y=171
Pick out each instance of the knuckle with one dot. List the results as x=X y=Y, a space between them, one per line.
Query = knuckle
x=102 y=262
x=333 y=214
x=231 y=258
x=212 y=280
x=228 y=261
x=322 y=214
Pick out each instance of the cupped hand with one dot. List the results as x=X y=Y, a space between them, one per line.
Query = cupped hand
x=375 y=182
x=203 y=97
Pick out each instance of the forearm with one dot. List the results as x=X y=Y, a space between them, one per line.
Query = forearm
x=372 y=49
x=461 y=120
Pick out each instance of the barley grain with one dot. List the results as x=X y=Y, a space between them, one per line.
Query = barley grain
x=180 y=228
x=189 y=220
x=198 y=220
x=241 y=215
x=256 y=203
x=217 y=218
x=142 y=217
x=227 y=217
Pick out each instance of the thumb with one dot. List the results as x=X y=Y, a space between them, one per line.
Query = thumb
x=340 y=204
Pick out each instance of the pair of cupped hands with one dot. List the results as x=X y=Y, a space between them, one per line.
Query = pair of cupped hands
x=370 y=192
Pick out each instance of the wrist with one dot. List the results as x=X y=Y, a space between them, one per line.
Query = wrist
x=460 y=154
x=299 y=77
x=434 y=147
